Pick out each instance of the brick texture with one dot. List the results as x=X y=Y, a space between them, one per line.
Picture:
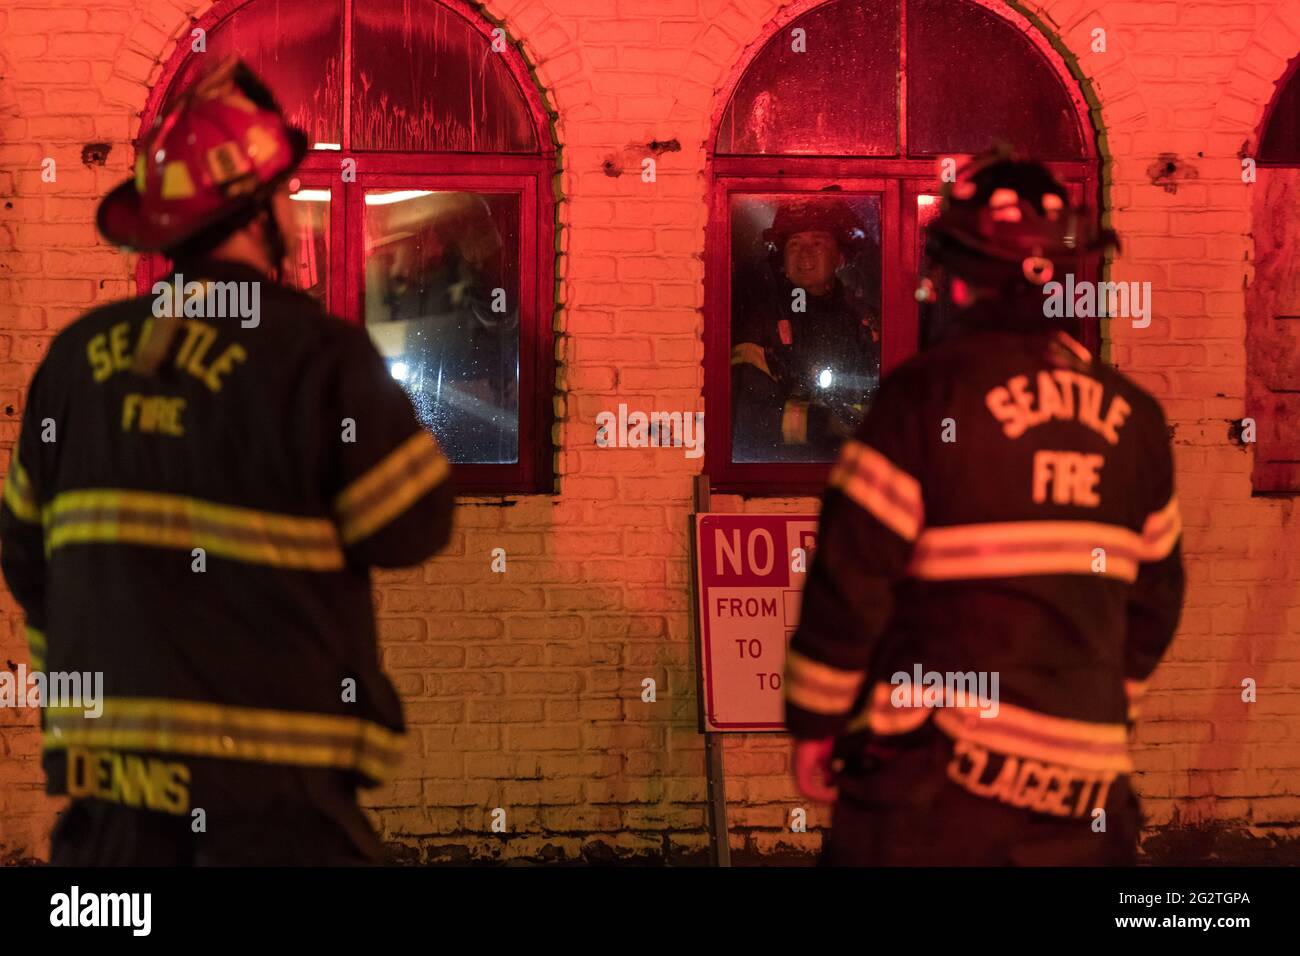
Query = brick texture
x=523 y=689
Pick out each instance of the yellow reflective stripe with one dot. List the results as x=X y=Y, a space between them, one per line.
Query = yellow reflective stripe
x=18 y=494
x=36 y=648
x=1018 y=548
x=234 y=733
x=415 y=468
x=1161 y=530
x=875 y=483
x=819 y=687
x=794 y=423
x=1026 y=733
x=751 y=353
x=1133 y=690
x=106 y=515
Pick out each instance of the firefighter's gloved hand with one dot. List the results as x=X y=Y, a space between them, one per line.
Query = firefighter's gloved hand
x=812 y=769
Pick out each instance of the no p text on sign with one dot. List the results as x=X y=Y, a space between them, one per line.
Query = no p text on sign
x=749 y=573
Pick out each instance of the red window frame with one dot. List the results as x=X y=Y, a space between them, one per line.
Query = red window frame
x=899 y=179
x=528 y=175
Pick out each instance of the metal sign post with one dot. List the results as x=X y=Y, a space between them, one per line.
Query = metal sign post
x=719 y=840
x=747 y=571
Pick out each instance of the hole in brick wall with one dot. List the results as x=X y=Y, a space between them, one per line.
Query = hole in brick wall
x=611 y=167
x=95 y=154
x=1235 y=428
x=659 y=147
x=1169 y=170
x=9 y=409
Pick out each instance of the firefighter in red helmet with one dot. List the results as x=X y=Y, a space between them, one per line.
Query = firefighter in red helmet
x=805 y=352
x=998 y=569
x=203 y=479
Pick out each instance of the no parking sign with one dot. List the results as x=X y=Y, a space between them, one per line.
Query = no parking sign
x=749 y=575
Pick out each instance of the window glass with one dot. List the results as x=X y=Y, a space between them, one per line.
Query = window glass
x=296 y=50
x=935 y=316
x=309 y=260
x=442 y=305
x=972 y=79
x=805 y=322
x=424 y=79
x=830 y=91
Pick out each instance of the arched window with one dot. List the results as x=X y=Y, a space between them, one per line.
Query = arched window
x=425 y=205
x=827 y=148
x=1273 y=299
x=1279 y=142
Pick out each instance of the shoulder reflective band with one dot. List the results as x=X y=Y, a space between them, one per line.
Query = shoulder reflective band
x=819 y=687
x=1027 y=733
x=18 y=494
x=1014 y=549
x=414 y=469
x=107 y=515
x=36 y=648
x=222 y=731
x=1073 y=344
x=751 y=353
x=890 y=494
x=1161 y=530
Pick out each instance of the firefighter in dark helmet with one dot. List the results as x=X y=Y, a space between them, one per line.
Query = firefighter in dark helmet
x=805 y=356
x=204 y=477
x=997 y=572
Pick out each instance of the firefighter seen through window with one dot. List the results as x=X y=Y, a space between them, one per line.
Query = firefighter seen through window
x=442 y=306
x=805 y=323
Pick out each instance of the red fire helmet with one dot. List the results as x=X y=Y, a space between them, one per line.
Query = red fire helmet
x=221 y=150
x=822 y=213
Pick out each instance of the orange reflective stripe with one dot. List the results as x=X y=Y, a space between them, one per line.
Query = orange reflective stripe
x=1019 y=548
x=882 y=717
x=1161 y=530
x=891 y=495
x=819 y=687
x=1027 y=733
x=1073 y=344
